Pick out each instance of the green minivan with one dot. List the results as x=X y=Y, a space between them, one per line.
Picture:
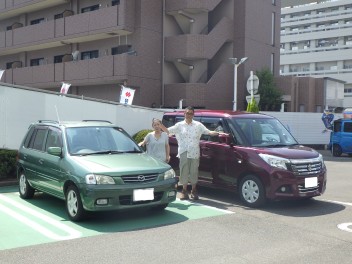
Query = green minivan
x=93 y=166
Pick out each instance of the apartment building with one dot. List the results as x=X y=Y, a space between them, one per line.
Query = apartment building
x=316 y=41
x=167 y=50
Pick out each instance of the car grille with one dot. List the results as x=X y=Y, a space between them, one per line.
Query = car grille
x=305 y=167
x=128 y=199
x=302 y=189
x=139 y=178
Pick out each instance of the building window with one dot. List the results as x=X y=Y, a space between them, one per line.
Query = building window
x=115 y=2
x=9 y=28
x=273 y=29
x=37 y=62
x=301 y=108
x=90 y=8
x=272 y=62
x=89 y=55
x=9 y=65
x=57 y=16
x=273 y=2
x=121 y=49
x=58 y=58
x=37 y=21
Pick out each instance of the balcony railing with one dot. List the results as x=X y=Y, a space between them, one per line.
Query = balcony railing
x=107 y=69
x=98 y=24
x=11 y=8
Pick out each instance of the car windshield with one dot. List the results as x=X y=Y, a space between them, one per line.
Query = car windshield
x=261 y=132
x=99 y=140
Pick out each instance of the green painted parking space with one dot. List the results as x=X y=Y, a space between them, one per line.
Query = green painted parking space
x=43 y=219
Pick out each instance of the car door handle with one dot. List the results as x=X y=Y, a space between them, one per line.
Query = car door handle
x=206 y=151
x=41 y=161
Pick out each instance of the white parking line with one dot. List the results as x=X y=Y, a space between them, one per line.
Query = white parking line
x=72 y=233
x=338 y=202
x=206 y=206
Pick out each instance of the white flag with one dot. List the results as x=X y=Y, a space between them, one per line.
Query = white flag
x=64 y=88
x=1 y=73
x=126 y=96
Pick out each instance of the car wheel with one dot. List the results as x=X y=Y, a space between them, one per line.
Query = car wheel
x=252 y=191
x=26 y=191
x=74 y=205
x=159 y=207
x=336 y=151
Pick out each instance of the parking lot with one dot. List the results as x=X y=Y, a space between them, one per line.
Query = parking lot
x=217 y=229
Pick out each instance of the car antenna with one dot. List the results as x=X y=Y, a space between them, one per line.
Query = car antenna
x=57 y=114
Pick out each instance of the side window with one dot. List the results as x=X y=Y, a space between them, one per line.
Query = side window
x=211 y=123
x=348 y=127
x=28 y=137
x=38 y=139
x=168 y=121
x=337 y=126
x=53 y=139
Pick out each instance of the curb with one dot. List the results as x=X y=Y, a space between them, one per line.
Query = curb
x=10 y=182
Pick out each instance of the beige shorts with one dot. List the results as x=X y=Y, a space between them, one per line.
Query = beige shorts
x=188 y=169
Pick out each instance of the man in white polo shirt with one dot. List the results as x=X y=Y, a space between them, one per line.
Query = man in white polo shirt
x=188 y=133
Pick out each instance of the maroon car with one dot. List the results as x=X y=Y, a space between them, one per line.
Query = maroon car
x=259 y=157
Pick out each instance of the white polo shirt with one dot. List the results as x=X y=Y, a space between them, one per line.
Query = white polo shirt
x=188 y=137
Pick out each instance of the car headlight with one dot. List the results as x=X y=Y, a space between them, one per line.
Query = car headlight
x=321 y=159
x=99 y=179
x=169 y=174
x=275 y=161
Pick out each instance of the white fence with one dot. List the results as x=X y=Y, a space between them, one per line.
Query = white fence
x=20 y=106
x=307 y=128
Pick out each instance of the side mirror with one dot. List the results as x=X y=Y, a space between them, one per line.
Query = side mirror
x=225 y=139
x=56 y=151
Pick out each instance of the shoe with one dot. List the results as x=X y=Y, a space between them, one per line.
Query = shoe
x=194 y=195
x=184 y=195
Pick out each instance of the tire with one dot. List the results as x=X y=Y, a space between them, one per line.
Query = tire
x=26 y=191
x=74 y=207
x=252 y=192
x=336 y=150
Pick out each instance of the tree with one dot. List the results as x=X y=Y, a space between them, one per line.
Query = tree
x=270 y=96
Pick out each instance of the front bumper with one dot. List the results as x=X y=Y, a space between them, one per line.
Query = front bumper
x=286 y=185
x=120 y=197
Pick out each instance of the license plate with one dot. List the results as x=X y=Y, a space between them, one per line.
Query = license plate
x=143 y=195
x=311 y=182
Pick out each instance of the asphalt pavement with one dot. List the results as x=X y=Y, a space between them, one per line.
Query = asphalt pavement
x=315 y=231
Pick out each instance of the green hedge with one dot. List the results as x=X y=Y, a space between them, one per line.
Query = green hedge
x=8 y=164
x=140 y=135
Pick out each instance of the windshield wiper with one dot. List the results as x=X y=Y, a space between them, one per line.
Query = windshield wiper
x=103 y=152
x=280 y=145
x=132 y=151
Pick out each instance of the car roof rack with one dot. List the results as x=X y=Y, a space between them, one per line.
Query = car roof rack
x=93 y=120
x=48 y=121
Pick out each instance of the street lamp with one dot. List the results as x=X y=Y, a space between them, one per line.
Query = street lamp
x=234 y=62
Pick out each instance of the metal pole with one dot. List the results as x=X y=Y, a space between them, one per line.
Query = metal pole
x=235 y=87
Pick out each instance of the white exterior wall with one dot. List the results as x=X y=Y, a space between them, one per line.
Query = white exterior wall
x=19 y=107
x=305 y=127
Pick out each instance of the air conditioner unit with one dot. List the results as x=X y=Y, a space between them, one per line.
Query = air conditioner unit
x=294 y=48
x=333 y=68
